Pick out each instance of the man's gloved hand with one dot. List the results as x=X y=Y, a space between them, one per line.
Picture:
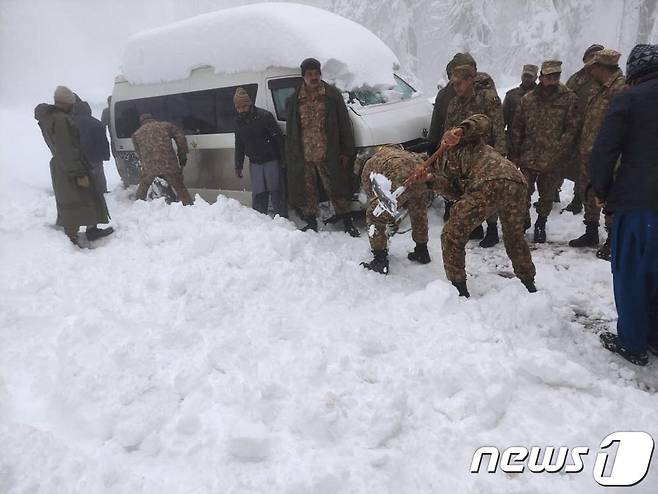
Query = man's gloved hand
x=238 y=172
x=83 y=181
x=182 y=160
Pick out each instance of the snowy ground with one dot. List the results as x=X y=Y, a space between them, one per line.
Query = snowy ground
x=209 y=349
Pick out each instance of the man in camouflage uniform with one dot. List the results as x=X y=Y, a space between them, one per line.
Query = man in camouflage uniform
x=605 y=71
x=584 y=86
x=156 y=153
x=396 y=165
x=513 y=98
x=543 y=135
x=483 y=183
x=470 y=100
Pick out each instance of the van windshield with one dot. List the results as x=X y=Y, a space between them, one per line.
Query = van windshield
x=367 y=96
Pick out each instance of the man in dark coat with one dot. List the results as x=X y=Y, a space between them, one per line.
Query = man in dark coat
x=258 y=136
x=319 y=145
x=513 y=98
x=77 y=198
x=629 y=190
x=93 y=142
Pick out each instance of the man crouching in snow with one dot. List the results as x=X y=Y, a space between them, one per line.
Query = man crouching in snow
x=78 y=200
x=483 y=183
x=396 y=165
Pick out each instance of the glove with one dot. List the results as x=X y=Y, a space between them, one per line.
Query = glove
x=182 y=160
x=83 y=181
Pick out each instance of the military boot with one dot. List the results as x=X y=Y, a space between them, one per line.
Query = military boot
x=349 y=226
x=461 y=288
x=589 y=239
x=477 y=234
x=311 y=224
x=575 y=206
x=529 y=285
x=491 y=238
x=94 y=233
x=604 y=252
x=540 y=230
x=379 y=264
x=420 y=254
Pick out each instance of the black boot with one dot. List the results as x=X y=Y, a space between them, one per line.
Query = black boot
x=527 y=224
x=530 y=285
x=446 y=209
x=419 y=254
x=540 y=230
x=349 y=226
x=491 y=238
x=604 y=252
x=556 y=198
x=575 y=206
x=94 y=233
x=379 y=264
x=477 y=234
x=589 y=239
x=611 y=342
x=461 y=288
x=311 y=224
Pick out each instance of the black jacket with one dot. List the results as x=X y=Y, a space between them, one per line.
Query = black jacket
x=259 y=137
x=93 y=140
x=630 y=130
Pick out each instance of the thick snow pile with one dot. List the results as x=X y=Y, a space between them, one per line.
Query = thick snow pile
x=255 y=37
x=210 y=349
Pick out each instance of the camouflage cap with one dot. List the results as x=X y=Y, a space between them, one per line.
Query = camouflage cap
x=592 y=49
x=607 y=57
x=551 y=67
x=463 y=71
x=476 y=126
x=530 y=70
x=463 y=59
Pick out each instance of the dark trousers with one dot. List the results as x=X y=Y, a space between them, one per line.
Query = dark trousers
x=634 y=248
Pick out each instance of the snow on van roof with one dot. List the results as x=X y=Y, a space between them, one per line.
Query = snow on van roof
x=254 y=37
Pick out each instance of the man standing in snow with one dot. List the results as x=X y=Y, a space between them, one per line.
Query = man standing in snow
x=472 y=99
x=630 y=191
x=93 y=142
x=584 y=86
x=319 y=146
x=543 y=134
x=79 y=201
x=155 y=150
x=259 y=137
x=605 y=71
x=513 y=98
x=482 y=182
x=396 y=165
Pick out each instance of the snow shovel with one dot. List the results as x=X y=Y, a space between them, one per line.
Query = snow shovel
x=387 y=201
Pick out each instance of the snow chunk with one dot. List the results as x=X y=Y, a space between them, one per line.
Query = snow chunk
x=276 y=35
x=250 y=442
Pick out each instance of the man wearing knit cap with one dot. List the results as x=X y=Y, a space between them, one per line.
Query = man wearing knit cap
x=624 y=173
x=584 y=86
x=513 y=98
x=543 y=135
x=319 y=147
x=605 y=71
x=258 y=136
x=472 y=98
x=76 y=195
x=153 y=145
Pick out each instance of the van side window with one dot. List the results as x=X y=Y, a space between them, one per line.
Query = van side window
x=282 y=89
x=198 y=112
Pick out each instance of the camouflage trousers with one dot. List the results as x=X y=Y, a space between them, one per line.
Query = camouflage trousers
x=174 y=179
x=417 y=208
x=508 y=199
x=547 y=184
x=592 y=211
x=314 y=171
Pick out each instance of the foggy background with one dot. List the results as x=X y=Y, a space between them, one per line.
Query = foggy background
x=79 y=43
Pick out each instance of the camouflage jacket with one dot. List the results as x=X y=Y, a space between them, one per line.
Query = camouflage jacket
x=396 y=165
x=511 y=103
x=153 y=145
x=596 y=110
x=313 y=114
x=584 y=85
x=544 y=129
x=483 y=100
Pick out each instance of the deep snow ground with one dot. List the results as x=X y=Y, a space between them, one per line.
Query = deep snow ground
x=211 y=349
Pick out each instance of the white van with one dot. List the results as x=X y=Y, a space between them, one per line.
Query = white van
x=201 y=104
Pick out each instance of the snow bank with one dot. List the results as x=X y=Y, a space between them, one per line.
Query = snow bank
x=258 y=36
